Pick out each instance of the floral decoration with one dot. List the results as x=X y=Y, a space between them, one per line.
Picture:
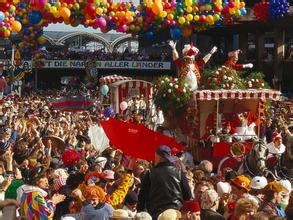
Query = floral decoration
x=171 y=94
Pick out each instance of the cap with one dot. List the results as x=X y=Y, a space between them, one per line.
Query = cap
x=120 y=213
x=275 y=186
x=258 y=182
x=242 y=182
x=165 y=152
x=190 y=206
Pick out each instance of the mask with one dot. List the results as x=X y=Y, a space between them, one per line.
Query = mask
x=284 y=203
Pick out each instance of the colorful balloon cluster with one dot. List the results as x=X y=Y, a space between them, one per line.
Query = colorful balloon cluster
x=38 y=59
x=279 y=8
x=261 y=11
x=274 y=9
x=8 y=24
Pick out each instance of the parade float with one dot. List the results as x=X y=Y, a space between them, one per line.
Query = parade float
x=223 y=116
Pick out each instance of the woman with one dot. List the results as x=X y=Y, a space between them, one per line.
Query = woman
x=33 y=197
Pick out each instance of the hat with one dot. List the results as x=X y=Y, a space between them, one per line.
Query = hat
x=190 y=206
x=258 y=182
x=170 y=214
x=93 y=191
x=286 y=184
x=70 y=157
x=120 y=213
x=233 y=53
x=165 y=152
x=190 y=50
x=242 y=182
x=208 y=199
x=143 y=216
x=131 y=198
x=101 y=161
x=275 y=186
x=223 y=188
x=108 y=174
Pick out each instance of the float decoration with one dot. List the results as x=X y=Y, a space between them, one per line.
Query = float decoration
x=256 y=81
x=261 y=11
x=171 y=94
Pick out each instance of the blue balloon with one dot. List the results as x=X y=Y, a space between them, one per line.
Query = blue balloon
x=243 y=11
x=26 y=32
x=175 y=33
x=104 y=89
x=34 y=17
x=108 y=112
x=2 y=16
x=150 y=35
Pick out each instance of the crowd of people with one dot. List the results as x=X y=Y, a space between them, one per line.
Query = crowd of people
x=103 y=55
x=49 y=169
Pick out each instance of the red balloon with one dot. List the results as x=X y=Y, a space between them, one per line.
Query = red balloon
x=90 y=10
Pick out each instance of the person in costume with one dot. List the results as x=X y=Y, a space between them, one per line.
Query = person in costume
x=189 y=69
x=233 y=59
x=276 y=147
x=93 y=200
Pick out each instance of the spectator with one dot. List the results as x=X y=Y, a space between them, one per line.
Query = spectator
x=164 y=187
x=257 y=184
x=245 y=208
x=273 y=196
x=209 y=204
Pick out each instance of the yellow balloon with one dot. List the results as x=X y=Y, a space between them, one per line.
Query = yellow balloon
x=188 y=2
x=189 y=17
x=181 y=20
x=189 y=9
x=42 y=40
x=195 y=17
x=15 y=1
x=242 y=4
x=57 y=14
x=163 y=14
x=99 y=11
x=53 y=9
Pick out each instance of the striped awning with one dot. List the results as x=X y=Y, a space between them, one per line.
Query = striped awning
x=262 y=94
x=113 y=78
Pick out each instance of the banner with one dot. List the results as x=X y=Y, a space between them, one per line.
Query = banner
x=111 y=64
x=98 y=138
x=71 y=103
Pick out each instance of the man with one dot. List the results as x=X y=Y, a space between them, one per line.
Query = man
x=164 y=186
x=276 y=147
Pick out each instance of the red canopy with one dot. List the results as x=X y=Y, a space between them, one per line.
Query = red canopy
x=136 y=140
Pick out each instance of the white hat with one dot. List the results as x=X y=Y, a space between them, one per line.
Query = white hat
x=258 y=182
x=233 y=53
x=170 y=214
x=286 y=184
x=143 y=216
x=223 y=187
x=120 y=213
x=68 y=218
x=101 y=161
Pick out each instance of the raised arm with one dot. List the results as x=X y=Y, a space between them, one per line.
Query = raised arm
x=174 y=51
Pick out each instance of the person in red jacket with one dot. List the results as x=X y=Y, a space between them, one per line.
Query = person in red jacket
x=233 y=59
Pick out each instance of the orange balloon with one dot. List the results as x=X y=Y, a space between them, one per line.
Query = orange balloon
x=65 y=12
x=16 y=26
x=186 y=32
x=157 y=8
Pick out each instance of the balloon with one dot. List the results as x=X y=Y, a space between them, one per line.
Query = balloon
x=186 y=32
x=108 y=112
x=65 y=12
x=150 y=35
x=123 y=106
x=175 y=33
x=104 y=89
x=42 y=40
x=181 y=20
x=16 y=26
x=101 y=22
x=2 y=16
x=34 y=17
